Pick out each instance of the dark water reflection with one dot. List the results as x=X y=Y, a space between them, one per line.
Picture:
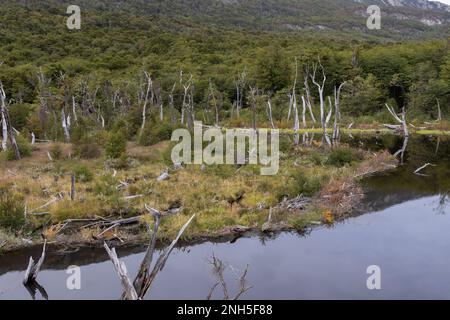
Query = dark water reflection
x=405 y=232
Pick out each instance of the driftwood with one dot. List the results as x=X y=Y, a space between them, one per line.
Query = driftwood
x=218 y=269
x=164 y=176
x=33 y=268
x=130 y=292
x=422 y=168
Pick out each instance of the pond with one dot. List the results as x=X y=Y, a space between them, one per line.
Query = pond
x=404 y=230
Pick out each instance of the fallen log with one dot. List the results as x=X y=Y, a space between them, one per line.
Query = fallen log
x=423 y=167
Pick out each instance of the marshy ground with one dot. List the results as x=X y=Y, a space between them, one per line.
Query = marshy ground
x=226 y=199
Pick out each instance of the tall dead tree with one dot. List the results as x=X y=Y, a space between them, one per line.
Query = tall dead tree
x=172 y=103
x=212 y=98
x=269 y=113
x=308 y=95
x=337 y=112
x=145 y=96
x=8 y=131
x=320 y=88
x=240 y=83
x=253 y=95
x=439 y=119
x=187 y=99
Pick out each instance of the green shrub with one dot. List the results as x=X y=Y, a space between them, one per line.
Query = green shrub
x=11 y=209
x=154 y=133
x=83 y=174
x=24 y=148
x=342 y=156
x=300 y=184
x=116 y=145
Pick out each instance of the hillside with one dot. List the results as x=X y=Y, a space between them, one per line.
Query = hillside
x=402 y=19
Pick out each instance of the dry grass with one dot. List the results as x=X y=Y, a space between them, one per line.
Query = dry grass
x=210 y=193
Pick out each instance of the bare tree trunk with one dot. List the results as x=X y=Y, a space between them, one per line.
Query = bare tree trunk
x=400 y=119
x=72 y=187
x=269 y=109
x=439 y=110
x=308 y=96
x=65 y=125
x=5 y=116
x=320 y=89
x=172 y=104
x=4 y=130
x=149 y=88
x=213 y=99
x=253 y=98
x=337 y=114
x=240 y=86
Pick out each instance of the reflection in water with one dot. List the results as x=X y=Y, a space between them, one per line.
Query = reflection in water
x=34 y=287
x=405 y=232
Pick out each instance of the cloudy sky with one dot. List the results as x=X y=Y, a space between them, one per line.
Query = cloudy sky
x=445 y=1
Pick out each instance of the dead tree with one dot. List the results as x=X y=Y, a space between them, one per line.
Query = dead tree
x=6 y=123
x=218 y=269
x=188 y=101
x=308 y=96
x=320 y=88
x=439 y=119
x=172 y=103
x=65 y=125
x=253 y=103
x=137 y=289
x=213 y=100
x=269 y=113
x=240 y=86
x=145 y=98
x=160 y=104
x=72 y=187
x=34 y=267
x=400 y=119
x=337 y=112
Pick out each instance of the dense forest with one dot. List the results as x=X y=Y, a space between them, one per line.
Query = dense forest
x=104 y=71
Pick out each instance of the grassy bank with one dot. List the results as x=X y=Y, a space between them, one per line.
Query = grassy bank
x=226 y=199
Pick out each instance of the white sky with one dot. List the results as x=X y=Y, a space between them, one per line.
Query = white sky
x=445 y=1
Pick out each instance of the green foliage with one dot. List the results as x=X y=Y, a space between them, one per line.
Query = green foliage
x=24 y=148
x=19 y=115
x=300 y=184
x=83 y=173
x=273 y=70
x=154 y=133
x=116 y=145
x=11 y=209
x=342 y=156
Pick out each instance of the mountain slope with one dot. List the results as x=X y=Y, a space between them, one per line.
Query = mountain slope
x=401 y=19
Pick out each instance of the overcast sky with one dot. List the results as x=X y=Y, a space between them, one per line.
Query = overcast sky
x=445 y=1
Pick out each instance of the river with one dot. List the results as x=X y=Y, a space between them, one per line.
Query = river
x=404 y=230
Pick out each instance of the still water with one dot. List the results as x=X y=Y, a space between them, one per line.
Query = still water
x=405 y=230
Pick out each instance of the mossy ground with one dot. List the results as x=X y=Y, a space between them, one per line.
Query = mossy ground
x=221 y=196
